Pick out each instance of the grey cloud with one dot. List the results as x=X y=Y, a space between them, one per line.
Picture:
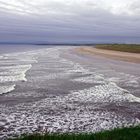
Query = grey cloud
x=67 y=22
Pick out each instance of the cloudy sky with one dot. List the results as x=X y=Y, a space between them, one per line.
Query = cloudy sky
x=70 y=21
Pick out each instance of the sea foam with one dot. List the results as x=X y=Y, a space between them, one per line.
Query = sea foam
x=103 y=93
x=14 y=73
x=6 y=89
x=14 y=69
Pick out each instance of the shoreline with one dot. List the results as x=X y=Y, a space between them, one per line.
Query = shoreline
x=116 y=55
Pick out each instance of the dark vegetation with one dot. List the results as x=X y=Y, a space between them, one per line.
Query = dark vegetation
x=132 y=133
x=133 y=48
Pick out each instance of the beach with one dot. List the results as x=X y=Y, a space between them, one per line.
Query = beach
x=117 y=55
x=61 y=90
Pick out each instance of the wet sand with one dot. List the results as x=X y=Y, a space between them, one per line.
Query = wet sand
x=117 y=55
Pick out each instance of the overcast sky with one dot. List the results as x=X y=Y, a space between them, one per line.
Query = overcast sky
x=70 y=21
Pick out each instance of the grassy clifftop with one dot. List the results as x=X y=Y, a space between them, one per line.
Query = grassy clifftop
x=120 y=47
x=132 y=133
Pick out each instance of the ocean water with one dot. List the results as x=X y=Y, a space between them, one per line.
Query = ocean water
x=13 y=68
x=59 y=90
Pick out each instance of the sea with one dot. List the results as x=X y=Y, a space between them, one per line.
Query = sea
x=56 y=89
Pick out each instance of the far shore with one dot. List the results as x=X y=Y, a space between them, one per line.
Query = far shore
x=117 y=55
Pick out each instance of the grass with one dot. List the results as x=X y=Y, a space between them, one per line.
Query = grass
x=133 y=48
x=132 y=133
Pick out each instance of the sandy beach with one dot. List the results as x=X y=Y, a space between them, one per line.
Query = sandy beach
x=117 y=55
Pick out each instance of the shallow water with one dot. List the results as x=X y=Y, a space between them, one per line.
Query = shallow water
x=59 y=90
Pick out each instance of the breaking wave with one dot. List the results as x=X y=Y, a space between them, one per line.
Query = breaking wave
x=13 y=68
x=6 y=89
x=103 y=93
